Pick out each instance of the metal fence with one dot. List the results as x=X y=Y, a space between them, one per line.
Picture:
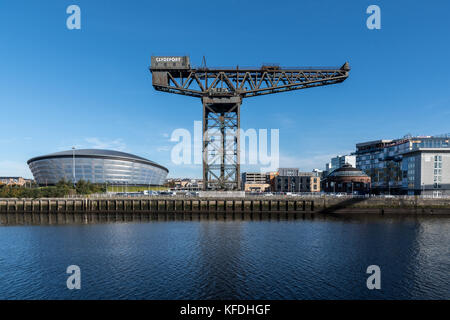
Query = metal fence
x=180 y=195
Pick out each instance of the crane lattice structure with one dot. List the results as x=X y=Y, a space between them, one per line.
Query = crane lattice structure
x=222 y=91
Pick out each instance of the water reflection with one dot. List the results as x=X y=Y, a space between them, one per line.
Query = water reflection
x=168 y=256
x=68 y=218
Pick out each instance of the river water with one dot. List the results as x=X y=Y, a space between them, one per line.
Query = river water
x=321 y=258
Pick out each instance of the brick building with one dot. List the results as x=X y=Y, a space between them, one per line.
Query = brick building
x=347 y=179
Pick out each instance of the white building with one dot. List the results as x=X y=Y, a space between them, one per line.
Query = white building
x=338 y=161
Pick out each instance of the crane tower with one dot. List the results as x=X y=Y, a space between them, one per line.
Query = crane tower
x=222 y=91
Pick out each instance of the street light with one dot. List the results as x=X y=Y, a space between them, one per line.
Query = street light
x=73 y=165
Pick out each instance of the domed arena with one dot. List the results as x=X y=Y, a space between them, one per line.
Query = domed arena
x=97 y=166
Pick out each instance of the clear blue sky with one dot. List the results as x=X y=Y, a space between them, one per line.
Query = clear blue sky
x=92 y=88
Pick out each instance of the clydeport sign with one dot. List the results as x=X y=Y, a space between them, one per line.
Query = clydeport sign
x=168 y=59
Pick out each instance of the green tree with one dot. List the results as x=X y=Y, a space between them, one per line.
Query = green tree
x=82 y=187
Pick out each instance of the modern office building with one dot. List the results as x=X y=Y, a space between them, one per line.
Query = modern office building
x=411 y=165
x=254 y=177
x=309 y=181
x=96 y=166
x=347 y=179
x=302 y=182
x=255 y=181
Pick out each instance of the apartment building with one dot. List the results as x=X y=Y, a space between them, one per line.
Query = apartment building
x=411 y=165
x=302 y=182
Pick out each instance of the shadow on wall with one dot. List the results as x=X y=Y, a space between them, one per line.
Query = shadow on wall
x=342 y=205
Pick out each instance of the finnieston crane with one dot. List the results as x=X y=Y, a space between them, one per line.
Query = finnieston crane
x=222 y=91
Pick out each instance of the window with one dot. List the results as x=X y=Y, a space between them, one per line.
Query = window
x=437 y=194
x=437 y=172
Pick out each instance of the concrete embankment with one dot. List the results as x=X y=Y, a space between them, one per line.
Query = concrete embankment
x=154 y=205
x=63 y=211
x=227 y=206
x=409 y=205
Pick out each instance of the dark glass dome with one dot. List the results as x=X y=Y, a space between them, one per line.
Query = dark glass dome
x=347 y=171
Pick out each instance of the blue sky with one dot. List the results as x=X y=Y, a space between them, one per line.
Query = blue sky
x=92 y=88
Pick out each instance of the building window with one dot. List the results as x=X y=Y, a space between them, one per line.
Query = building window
x=411 y=170
x=437 y=171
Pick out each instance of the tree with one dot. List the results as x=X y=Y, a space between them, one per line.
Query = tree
x=82 y=187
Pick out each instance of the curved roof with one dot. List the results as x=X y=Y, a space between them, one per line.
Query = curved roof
x=98 y=153
x=347 y=171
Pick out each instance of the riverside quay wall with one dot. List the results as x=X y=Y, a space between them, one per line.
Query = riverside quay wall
x=92 y=210
x=153 y=205
x=291 y=205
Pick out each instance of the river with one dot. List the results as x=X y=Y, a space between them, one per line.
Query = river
x=321 y=258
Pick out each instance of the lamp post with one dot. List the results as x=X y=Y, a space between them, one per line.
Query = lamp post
x=73 y=166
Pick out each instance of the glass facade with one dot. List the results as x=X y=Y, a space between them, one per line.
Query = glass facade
x=409 y=172
x=391 y=164
x=48 y=171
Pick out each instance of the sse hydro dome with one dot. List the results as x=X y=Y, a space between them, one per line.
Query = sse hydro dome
x=96 y=166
